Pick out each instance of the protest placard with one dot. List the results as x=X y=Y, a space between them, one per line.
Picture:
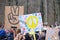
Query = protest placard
x=52 y=34
x=11 y=16
x=31 y=21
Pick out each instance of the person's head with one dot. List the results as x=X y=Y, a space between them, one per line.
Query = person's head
x=27 y=35
x=11 y=30
x=6 y=30
x=37 y=32
x=18 y=31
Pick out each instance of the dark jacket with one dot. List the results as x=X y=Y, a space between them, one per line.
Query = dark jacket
x=27 y=37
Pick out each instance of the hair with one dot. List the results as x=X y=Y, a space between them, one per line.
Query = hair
x=18 y=31
x=0 y=25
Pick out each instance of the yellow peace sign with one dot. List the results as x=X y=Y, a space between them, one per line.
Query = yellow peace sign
x=32 y=21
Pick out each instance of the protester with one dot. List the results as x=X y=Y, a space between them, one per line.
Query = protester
x=2 y=33
x=19 y=36
x=27 y=36
x=11 y=34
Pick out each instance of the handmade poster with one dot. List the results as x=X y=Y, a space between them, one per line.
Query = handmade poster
x=52 y=34
x=31 y=22
x=11 y=16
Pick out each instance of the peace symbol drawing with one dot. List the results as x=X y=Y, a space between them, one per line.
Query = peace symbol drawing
x=32 y=21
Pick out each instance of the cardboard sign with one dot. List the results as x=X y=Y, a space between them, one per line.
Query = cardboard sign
x=11 y=16
x=31 y=21
x=52 y=34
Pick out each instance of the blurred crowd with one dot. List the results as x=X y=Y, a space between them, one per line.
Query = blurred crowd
x=15 y=34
